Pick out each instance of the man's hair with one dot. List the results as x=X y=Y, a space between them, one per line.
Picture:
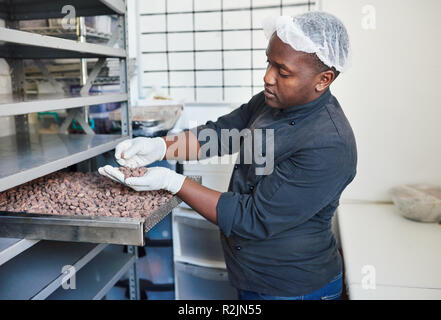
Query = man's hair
x=320 y=66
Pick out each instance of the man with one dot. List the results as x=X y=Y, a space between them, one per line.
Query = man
x=275 y=227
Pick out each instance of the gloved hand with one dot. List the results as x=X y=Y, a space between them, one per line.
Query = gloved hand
x=112 y=173
x=139 y=152
x=157 y=178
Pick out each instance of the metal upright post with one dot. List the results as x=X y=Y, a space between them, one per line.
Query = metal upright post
x=83 y=62
x=126 y=129
x=126 y=125
x=134 y=292
x=19 y=89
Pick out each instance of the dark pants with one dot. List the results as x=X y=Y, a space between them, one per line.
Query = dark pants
x=331 y=291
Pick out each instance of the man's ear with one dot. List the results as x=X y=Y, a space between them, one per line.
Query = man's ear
x=325 y=80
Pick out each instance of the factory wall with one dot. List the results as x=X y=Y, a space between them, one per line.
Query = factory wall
x=206 y=51
x=391 y=94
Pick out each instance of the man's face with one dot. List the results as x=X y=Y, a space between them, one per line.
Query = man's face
x=290 y=79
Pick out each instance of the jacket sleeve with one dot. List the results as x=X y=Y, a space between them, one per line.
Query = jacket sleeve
x=211 y=132
x=298 y=188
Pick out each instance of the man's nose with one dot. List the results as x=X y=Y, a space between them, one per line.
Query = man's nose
x=269 y=78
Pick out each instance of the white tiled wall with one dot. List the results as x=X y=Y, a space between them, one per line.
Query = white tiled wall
x=209 y=60
x=180 y=22
x=238 y=77
x=207 y=50
x=207 y=21
x=153 y=23
x=181 y=60
x=201 y=5
x=179 y=41
x=237 y=19
x=182 y=78
x=237 y=59
x=209 y=78
x=178 y=5
x=208 y=41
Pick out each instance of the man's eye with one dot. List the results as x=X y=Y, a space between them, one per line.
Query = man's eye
x=283 y=75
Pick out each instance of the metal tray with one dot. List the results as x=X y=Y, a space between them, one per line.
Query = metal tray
x=126 y=231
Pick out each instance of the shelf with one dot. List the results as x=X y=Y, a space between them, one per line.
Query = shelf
x=90 y=229
x=206 y=263
x=33 y=269
x=44 y=9
x=201 y=283
x=27 y=45
x=196 y=240
x=9 y=248
x=15 y=105
x=37 y=273
x=99 y=81
x=92 y=35
x=99 y=276
x=27 y=157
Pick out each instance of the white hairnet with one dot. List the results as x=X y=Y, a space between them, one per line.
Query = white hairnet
x=313 y=32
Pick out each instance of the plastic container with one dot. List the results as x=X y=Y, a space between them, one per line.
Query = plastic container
x=419 y=202
x=157 y=265
x=196 y=240
x=218 y=181
x=200 y=283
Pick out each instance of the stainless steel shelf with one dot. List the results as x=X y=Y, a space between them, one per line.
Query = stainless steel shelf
x=10 y=247
x=27 y=157
x=99 y=276
x=112 y=230
x=92 y=36
x=32 y=269
x=38 y=272
x=27 y=45
x=99 y=81
x=15 y=105
x=44 y=9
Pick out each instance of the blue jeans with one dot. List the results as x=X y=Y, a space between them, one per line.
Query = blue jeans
x=331 y=291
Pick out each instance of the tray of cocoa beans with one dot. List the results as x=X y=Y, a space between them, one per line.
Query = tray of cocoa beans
x=83 y=207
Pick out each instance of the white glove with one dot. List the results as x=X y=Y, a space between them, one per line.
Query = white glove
x=139 y=152
x=112 y=173
x=157 y=178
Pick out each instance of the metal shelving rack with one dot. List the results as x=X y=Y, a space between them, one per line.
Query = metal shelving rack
x=92 y=35
x=26 y=156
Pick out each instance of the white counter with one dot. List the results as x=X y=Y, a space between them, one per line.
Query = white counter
x=403 y=257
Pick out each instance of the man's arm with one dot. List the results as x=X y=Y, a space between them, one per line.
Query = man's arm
x=185 y=146
x=202 y=199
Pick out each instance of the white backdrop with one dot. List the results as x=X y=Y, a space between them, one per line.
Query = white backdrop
x=391 y=95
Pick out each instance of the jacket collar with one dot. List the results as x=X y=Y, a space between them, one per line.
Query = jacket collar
x=306 y=109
